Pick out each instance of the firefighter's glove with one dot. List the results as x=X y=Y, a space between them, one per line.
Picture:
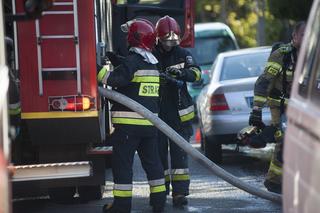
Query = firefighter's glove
x=115 y=59
x=174 y=72
x=167 y=79
x=255 y=118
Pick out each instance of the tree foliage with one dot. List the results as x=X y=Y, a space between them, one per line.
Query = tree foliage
x=290 y=9
x=242 y=16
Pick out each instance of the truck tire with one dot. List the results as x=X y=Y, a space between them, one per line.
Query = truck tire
x=88 y=193
x=213 y=149
x=62 y=194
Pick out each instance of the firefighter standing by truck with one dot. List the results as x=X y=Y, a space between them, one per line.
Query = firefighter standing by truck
x=273 y=87
x=137 y=77
x=177 y=67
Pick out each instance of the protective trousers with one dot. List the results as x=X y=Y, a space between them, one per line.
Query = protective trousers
x=178 y=173
x=275 y=169
x=124 y=147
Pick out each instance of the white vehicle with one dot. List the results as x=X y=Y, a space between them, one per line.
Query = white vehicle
x=225 y=103
x=301 y=178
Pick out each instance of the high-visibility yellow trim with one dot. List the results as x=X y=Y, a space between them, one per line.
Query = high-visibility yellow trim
x=273 y=68
x=147 y=79
x=259 y=99
x=122 y=193
x=101 y=74
x=46 y=115
x=275 y=169
x=131 y=121
x=187 y=117
x=149 y=89
x=277 y=102
x=16 y=111
x=157 y=189
x=197 y=72
x=167 y=178
x=274 y=65
x=278 y=134
x=180 y=177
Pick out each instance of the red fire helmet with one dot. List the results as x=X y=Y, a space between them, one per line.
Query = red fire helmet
x=141 y=33
x=168 y=31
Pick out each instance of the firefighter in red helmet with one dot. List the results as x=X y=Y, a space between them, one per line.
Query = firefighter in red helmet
x=177 y=67
x=137 y=77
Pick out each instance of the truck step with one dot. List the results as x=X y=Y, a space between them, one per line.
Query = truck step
x=52 y=171
x=100 y=150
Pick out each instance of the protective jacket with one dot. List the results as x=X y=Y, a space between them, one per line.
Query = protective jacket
x=274 y=85
x=138 y=80
x=176 y=105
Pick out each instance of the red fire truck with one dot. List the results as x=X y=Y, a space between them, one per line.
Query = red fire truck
x=64 y=122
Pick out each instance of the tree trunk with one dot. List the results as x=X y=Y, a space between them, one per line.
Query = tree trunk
x=260 y=8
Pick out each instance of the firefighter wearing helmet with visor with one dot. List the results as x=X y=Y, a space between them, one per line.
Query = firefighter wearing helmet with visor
x=177 y=67
x=137 y=77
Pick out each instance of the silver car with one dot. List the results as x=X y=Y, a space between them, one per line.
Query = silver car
x=225 y=103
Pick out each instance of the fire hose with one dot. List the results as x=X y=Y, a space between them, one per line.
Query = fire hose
x=183 y=144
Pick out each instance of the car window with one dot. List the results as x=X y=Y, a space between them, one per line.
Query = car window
x=310 y=56
x=244 y=66
x=206 y=49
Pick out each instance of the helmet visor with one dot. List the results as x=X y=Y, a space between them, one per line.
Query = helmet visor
x=125 y=27
x=169 y=43
x=170 y=40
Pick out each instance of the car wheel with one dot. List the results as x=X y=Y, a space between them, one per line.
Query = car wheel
x=213 y=149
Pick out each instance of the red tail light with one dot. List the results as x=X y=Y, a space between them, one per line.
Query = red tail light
x=71 y=103
x=218 y=103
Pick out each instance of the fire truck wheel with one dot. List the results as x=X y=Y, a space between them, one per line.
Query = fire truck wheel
x=62 y=194
x=213 y=149
x=88 y=193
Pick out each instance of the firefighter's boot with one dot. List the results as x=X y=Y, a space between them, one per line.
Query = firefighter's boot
x=273 y=180
x=179 y=200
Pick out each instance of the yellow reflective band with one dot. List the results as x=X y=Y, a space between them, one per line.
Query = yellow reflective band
x=157 y=189
x=197 y=72
x=167 y=178
x=151 y=79
x=187 y=117
x=47 y=115
x=277 y=102
x=180 y=177
x=275 y=169
x=273 y=68
x=15 y=111
x=149 y=89
x=278 y=134
x=272 y=71
x=259 y=99
x=101 y=74
x=122 y=193
x=131 y=121
x=275 y=65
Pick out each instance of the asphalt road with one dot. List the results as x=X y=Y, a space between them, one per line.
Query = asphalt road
x=208 y=193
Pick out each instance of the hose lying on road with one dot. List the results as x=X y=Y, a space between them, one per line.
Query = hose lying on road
x=183 y=144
